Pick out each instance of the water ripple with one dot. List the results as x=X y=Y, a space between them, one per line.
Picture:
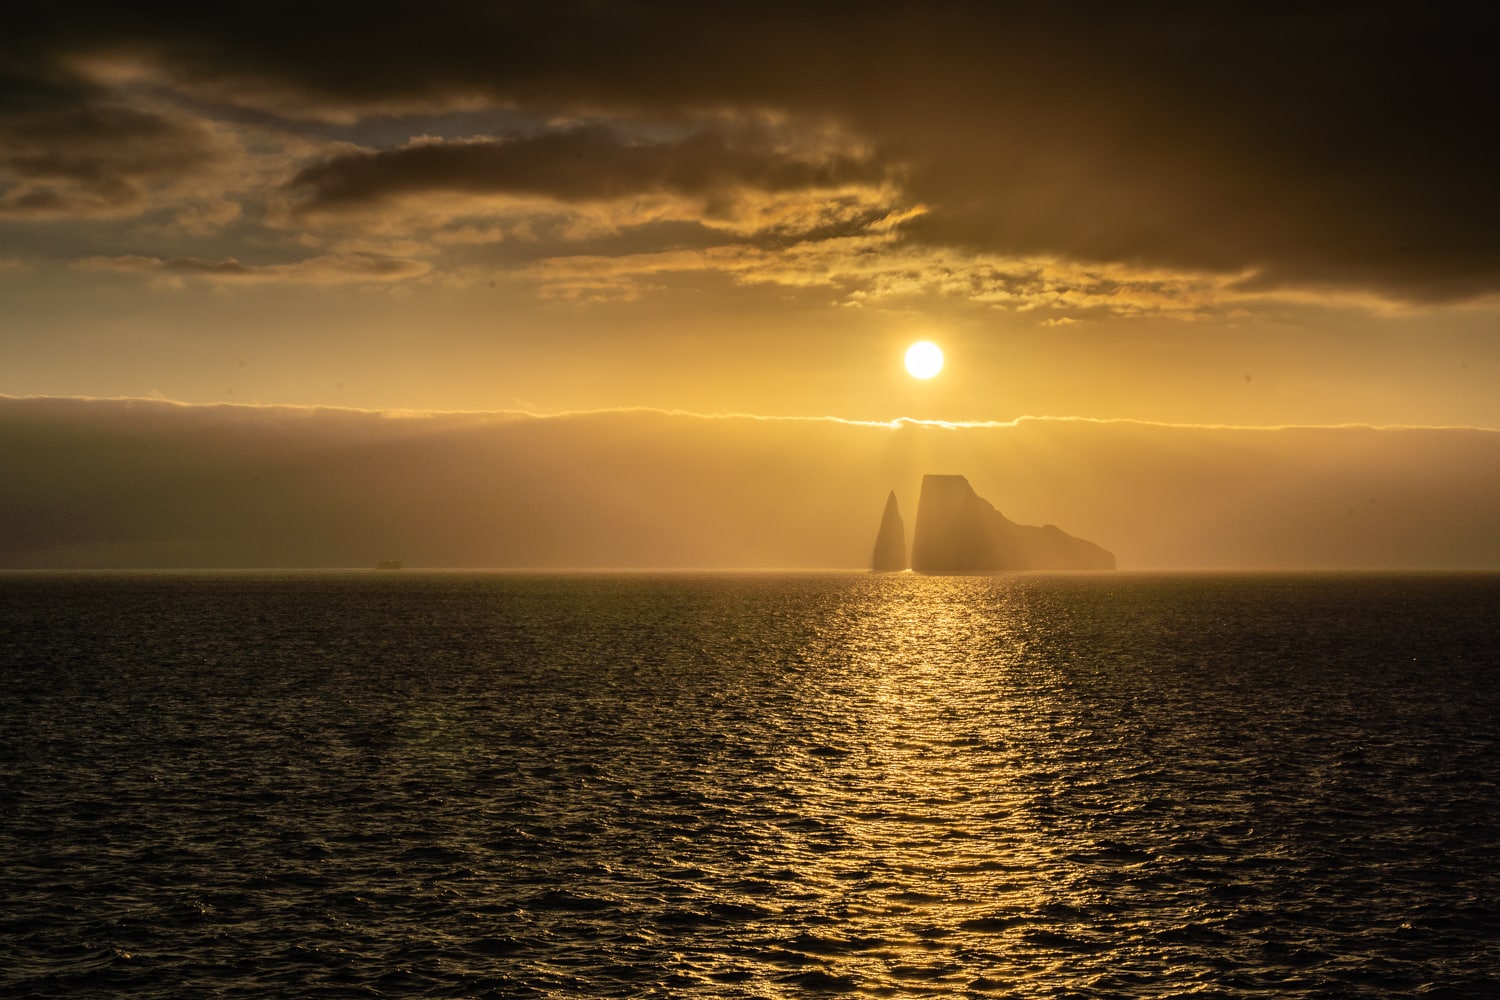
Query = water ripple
x=1041 y=786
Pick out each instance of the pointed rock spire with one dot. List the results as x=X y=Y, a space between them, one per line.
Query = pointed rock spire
x=890 y=543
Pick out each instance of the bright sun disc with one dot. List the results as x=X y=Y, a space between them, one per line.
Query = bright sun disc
x=924 y=359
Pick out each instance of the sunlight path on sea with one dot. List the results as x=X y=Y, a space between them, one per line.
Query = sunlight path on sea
x=927 y=721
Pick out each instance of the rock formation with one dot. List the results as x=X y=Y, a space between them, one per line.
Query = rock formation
x=959 y=532
x=890 y=542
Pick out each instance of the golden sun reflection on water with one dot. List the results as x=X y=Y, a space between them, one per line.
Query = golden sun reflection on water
x=933 y=783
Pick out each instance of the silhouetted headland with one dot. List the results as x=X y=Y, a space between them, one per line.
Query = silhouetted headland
x=958 y=531
x=890 y=542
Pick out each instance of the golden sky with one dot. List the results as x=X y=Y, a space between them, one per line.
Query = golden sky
x=1183 y=215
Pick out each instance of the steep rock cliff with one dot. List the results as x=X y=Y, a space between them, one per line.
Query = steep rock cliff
x=957 y=531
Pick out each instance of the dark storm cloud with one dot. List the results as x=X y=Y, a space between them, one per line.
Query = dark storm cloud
x=576 y=164
x=1308 y=148
x=1344 y=146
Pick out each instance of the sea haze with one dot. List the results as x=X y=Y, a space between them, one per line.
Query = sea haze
x=1031 y=785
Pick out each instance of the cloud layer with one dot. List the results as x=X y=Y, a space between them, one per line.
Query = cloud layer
x=1252 y=153
x=131 y=483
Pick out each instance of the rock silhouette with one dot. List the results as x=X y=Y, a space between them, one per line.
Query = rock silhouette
x=958 y=531
x=890 y=542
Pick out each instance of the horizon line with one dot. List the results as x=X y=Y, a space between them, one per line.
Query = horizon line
x=895 y=423
x=739 y=570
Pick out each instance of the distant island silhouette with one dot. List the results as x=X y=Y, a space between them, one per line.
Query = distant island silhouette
x=958 y=531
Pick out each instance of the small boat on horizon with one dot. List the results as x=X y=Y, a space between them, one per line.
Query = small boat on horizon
x=388 y=564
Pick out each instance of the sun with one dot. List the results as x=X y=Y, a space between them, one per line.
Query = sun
x=924 y=359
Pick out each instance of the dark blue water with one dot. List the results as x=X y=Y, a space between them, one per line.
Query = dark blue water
x=754 y=786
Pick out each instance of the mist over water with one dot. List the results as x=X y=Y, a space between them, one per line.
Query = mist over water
x=749 y=785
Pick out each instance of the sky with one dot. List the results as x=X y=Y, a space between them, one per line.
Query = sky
x=1262 y=222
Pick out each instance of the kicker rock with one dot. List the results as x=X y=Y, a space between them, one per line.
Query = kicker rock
x=959 y=532
x=890 y=542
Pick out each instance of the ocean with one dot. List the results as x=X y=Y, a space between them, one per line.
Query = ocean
x=749 y=785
